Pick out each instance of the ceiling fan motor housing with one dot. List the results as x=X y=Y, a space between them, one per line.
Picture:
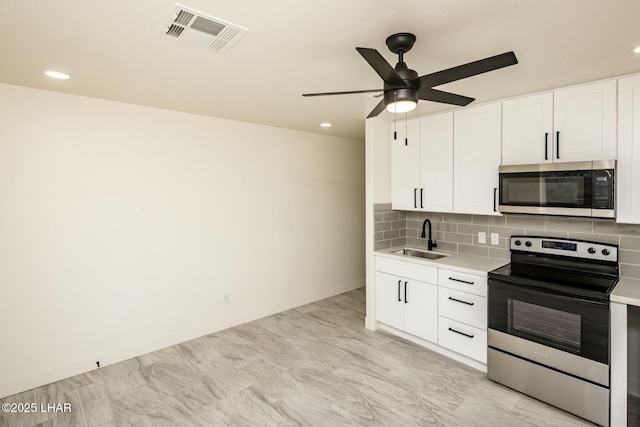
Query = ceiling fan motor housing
x=403 y=93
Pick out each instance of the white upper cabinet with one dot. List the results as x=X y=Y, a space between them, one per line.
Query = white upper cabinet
x=405 y=164
x=436 y=160
x=527 y=130
x=628 y=165
x=568 y=125
x=584 y=121
x=422 y=164
x=476 y=158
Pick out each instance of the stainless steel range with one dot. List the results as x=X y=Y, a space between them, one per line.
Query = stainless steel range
x=548 y=331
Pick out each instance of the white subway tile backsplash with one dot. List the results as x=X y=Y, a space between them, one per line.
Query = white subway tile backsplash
x=459 y=232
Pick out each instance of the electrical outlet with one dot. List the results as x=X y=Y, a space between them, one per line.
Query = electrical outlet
x=227 y=298
x=495 y=239
x=482 y=237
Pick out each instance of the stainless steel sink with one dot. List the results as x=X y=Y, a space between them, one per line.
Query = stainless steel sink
x=419 y=254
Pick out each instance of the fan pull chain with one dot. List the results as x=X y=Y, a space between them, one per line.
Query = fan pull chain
x=395 y=124
x=406 y=130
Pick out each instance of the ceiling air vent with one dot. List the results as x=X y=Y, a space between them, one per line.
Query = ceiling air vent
x=196 y=28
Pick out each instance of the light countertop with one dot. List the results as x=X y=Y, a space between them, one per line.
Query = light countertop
x=463 y=263
x=627 y=291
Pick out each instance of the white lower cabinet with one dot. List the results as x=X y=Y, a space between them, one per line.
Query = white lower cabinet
x=443 y=306
x=404 y=302
x=466 y=308
x=462 y=307
x=462 y=338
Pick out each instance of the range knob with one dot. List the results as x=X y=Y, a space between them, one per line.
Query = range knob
x=518 y=242
x=591 y=250
x=605 y=252
x=527 y=244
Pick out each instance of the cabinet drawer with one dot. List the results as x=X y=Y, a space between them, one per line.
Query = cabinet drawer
x=463 y=339
x=463 y=307
x=408 y=270
x=465 y=282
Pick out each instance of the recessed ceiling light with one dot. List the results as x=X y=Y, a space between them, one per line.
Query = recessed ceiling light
x=57 y=74
x=636 y=49
x=325 y=125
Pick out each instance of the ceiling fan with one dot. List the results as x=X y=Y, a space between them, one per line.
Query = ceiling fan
x=403 y=87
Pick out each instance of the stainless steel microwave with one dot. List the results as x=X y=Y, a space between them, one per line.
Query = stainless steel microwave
x=574 y=189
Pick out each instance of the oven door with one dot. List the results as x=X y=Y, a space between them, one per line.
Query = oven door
x=566 y=323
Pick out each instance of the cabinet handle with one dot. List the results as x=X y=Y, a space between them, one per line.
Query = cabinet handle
x=495 y=196
x=415 y=198
x=461 y=333
x=399 y=299
x=558 y=145
x=421 y=191
x=405 y=293
x=406 y=141
x=546 y=145
x=461 y=281
x=459 y=300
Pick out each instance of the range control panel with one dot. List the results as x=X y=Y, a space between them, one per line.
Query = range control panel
x=565 y=247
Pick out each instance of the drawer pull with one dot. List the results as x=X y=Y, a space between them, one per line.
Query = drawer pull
x=461 y=333
x=461 y=281
x=459 y=300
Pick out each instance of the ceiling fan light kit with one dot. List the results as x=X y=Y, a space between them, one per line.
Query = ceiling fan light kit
x=402 y=106
x=403 y=88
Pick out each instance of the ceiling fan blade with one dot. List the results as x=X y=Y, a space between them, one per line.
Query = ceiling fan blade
x=342 y=93
x=429 y=94
x=379 y=109
x=381 y=66
x=468 y=70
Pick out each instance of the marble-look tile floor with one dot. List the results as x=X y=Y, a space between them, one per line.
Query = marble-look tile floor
x=315 y=365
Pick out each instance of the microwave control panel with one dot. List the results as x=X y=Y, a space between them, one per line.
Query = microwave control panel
x=603 y=188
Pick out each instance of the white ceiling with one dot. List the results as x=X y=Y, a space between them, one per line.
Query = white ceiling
x=115 y=50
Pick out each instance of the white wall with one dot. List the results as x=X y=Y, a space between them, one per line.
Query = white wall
x=381 y=161
x=122 y=227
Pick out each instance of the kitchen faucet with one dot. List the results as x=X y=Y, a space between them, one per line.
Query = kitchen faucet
x=430 y=243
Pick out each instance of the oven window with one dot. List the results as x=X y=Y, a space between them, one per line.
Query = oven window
x=545 y=325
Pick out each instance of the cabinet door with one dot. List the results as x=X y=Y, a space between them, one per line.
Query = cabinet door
x=405 y=164
x=421 y=310
x=585 y=123
x=436 y=163
x=628 y=167
x=389 y=300
x=527 y=130
x=476 y=158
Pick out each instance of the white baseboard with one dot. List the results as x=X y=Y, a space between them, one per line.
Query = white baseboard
x=47 y=376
